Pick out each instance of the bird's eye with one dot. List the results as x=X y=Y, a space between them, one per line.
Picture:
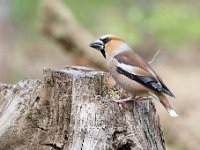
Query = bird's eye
x=106 y=40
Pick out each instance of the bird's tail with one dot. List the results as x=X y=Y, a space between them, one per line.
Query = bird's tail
x=164 y=101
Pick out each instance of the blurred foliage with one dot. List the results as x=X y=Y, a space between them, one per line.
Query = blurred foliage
x=24 y=14
x=169 y=23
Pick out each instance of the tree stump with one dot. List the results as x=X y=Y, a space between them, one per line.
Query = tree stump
x=65 y=111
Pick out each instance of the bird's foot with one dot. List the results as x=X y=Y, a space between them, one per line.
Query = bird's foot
x=121 y=101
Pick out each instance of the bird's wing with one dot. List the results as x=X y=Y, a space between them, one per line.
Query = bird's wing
x=161 y=82
x=134 y=67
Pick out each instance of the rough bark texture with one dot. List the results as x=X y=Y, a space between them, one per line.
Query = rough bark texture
x=66 y=111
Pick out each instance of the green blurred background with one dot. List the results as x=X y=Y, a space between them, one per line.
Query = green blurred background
x=171 y=26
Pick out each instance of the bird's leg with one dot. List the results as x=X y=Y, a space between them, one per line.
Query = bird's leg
x=136 y=99
x=121 y=101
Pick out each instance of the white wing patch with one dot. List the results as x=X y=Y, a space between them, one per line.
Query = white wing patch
x=133 y=70
x=127 y=68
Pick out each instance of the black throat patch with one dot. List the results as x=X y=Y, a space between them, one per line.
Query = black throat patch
x=103 y=53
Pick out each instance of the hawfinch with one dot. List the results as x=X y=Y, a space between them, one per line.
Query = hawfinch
x=131 y=72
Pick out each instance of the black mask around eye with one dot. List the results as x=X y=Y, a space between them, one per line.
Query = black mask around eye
x=106 y=40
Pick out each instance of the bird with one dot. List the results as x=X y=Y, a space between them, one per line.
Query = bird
x=131 y=72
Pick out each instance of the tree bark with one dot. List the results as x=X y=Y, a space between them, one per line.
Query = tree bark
x=70 y=109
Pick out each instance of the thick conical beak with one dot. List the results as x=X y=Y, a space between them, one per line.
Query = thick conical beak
x=97 y=44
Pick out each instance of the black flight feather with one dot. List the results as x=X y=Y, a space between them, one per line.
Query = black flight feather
x=145 y=80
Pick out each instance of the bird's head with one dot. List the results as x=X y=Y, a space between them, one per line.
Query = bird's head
x=107 y=44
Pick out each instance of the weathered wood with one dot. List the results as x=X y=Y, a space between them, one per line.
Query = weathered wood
x=66 y=111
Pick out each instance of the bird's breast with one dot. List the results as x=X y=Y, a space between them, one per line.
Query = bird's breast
x=126 y=83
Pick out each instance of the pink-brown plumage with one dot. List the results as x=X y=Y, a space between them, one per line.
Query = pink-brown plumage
x=131 y=72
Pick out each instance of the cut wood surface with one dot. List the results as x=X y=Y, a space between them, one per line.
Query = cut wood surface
x=70 y=109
